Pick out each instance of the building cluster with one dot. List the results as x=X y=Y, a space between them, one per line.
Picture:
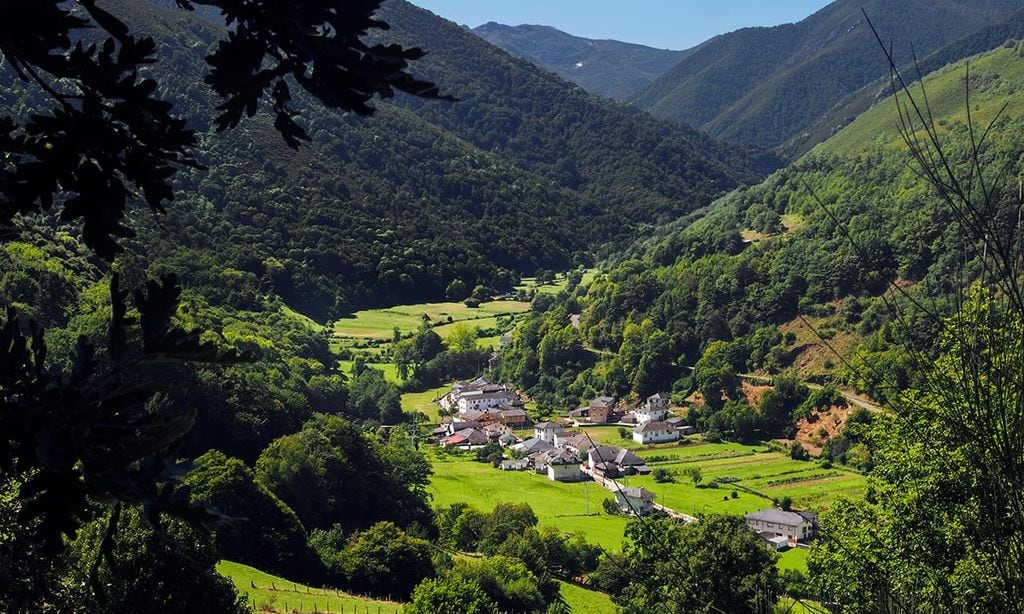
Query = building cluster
x=482 y=413
x=783 y=528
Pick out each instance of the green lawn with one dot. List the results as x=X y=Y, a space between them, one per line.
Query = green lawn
x=557 y=504
x=380 y=323
x=794 y=558
x=389 y=368
x=424 y=402
x=585 y=601
x=273 y=594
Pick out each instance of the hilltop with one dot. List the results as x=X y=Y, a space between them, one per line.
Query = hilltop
x=609 y=68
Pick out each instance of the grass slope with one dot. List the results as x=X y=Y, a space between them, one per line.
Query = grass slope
x=585 y=601
x=997 y=79
x=379 y=324
x=268 y=593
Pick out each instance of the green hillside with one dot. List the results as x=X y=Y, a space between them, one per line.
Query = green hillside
x=767 y=85
x=996 y=81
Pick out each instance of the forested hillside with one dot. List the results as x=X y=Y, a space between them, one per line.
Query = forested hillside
x=766 y=86
x=751 y=284
x=606 y=67
x=522 y=172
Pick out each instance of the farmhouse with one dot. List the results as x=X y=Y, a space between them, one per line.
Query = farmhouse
x=654 y=432
x=615 y=462
x=655 y=408
x=478 y=395
x=794 y=526
x=562 y=465
x=639 y=501
x=512 y=417
x=601 y=410
x=454 y=426
x=533 y=445
x=575 y=441
x=547 y=431
x=467 y=438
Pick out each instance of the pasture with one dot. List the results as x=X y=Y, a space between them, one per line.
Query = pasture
x=379 y=324
x=274 y=594
x=557 y=504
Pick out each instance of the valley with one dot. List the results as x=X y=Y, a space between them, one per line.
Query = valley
x=325 y=306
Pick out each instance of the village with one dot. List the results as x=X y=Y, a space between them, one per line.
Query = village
x=491 y=418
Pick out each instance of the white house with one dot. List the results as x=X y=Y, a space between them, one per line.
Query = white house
x=547 y=431
x=639 y=501
x=563 y=466
x=794 y=526
x=655 y=408
x=655 y=432
x=486 y=398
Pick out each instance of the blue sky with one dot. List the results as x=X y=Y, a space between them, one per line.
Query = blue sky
x=668 y=24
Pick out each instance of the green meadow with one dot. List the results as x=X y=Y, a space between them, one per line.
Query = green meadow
x=379 y=324
x=269 y=593
x=557 y=504
x=585 y=601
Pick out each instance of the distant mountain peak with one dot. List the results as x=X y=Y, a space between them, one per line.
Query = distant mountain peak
x=606 y=67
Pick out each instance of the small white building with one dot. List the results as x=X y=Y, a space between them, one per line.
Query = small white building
x=563 y=466
x=486 y=398
x=655 y=432
x=793 y=526
x=655 y=408
x=548 y=431
x=639 y=501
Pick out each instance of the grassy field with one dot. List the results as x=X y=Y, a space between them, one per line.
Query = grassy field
x=794 y=558
x=389 y=368
x=585 y=601
x=423 y=402
x=557 y=504
x=379 y=324
x=273 y=594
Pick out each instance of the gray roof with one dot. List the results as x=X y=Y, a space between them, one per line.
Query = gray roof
x=548 y=425
x=618 y=456
x=638 y=493
x=580 y=441
x=789 y=519
x=652 y=426
x=607 y=401
x=561 y=456
x=534 y=444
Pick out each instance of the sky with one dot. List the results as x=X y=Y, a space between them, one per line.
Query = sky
x=666 y=24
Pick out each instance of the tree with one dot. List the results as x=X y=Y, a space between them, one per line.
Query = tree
x=386 y=562
x=372 y=397
x=166 y=568
x=450 y=595
x=106 y=139
x=717 y=564
x=264 y=532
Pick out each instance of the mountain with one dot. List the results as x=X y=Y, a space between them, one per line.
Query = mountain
x=606 y=67
x=853 y=105
x=785 y=274
x=524 y=172
x=765 y=86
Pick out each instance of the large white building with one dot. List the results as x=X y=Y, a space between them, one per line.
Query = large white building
x=478 y=395
x=655 y=432
x=794 y=526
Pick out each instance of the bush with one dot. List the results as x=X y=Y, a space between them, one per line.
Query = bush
x=663 y=476
x=798 y=452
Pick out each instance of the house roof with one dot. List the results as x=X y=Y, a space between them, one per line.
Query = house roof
x=534 y=444
x=561 y=456
x=603 y=401
x=462 y=426
x=652 y=426
x=580 y=441
x=475 y=437
x=676 y=421
x=638 y=493
x=617 y=456
x=508 y=438
x=511 y=413
x=789 y=519
x=547 y=425
x=658 y=396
